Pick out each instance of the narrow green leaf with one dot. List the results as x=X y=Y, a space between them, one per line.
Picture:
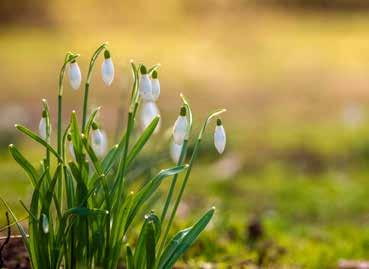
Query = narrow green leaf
x=26 y=165
x=150 y=187
x=130 y=262
x=185 y=239
x=38 y=139
x=140 y=143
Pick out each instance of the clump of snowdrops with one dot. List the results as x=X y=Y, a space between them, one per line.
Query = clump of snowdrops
x=81 y=211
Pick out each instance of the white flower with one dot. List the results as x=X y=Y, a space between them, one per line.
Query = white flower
x=99 y=142
x=71 y=150
x=45 y=224
x=180 y=127
x=175 y=151
x=148 y=113
x=42 y=128
x=107 y=69
x=74 y=75
x=145 y=85
x=219 y=137
x=155 y=86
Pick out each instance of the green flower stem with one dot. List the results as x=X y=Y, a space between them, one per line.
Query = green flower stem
x=184 y=183
x=69 y=57
x=88 y=80
x=182 y=157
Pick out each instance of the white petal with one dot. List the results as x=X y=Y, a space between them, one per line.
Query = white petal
x=146 y=88
x=155 y=88
x=219 y=138
x=175 y=151
x=107 y=71
x=42 y=128
x=179 y=130
x=71 y=150
x=99 y=142
x=45 y=224
x=148 y=113
x=74 y=75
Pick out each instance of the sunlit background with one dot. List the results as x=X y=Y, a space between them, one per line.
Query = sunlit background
x=292 y=187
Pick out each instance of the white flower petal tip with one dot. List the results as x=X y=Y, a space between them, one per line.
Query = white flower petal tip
x=148 y=113
x=155 y=85
x=107 y=71
x=99 y=142
x=175 y=152
x=219 y=137
x=42 y=128
x=180 y=127
x=75 y=77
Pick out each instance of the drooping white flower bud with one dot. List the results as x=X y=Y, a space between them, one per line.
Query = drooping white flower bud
x=145 y=85
x=99 y=141
x=219 y=137
x=175 y=151
x=155 y=86
x=42 y=126
x=45 y=223
x=148 y=113
x=180 y=127
x=107 y=69
x=74 y=75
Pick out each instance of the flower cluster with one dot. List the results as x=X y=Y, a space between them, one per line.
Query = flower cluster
x=81 y=210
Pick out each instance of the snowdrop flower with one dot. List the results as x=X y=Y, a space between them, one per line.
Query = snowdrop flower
x=180 y=127
x=175 y=151
x=219 y=137
x=148 y=113
x=107 y=69
x=42 y=126
x=74 y=75
x=145 y=85
x=155 y=86
x=99 y=141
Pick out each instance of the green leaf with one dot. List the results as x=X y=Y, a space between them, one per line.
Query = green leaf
x=140 y=143
x=38 y=139
x=150 y=245
x=26 y=165
x=130 y=262
x=76 y=138
x=182 y=241
x=146 y=243
x=150 y=187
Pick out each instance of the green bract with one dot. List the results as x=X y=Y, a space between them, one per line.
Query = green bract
x=82 y=211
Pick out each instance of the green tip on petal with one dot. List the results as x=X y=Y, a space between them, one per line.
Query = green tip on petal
x=219 y=122
x=183 y=111
x=143 y=70
x=94 y=126
x=44 y=114
x=154 y=74
x=69 y=137
x=106 y=54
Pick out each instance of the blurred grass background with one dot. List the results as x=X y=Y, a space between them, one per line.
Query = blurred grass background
x=292 y=187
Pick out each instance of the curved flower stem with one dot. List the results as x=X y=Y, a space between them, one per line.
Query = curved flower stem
x=88 y=80
x=181 y=160
x=69 y=57
x=187 y=175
